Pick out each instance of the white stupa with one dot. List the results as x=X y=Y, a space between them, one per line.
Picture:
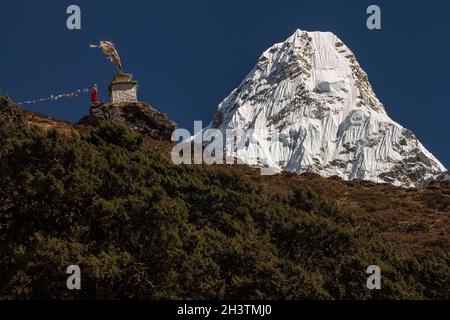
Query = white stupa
x=123 y=89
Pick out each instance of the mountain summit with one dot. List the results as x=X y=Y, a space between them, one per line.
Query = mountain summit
x=315 y=111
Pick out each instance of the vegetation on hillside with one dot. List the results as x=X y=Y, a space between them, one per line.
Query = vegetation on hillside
x=140 y=227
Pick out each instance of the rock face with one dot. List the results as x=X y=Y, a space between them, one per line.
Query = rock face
x=139 y=116
x=444 y=176
x=314 y=110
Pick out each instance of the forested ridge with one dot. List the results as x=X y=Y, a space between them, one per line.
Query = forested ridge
x=105 y=198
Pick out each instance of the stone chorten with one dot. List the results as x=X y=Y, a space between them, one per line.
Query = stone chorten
x=123 y=89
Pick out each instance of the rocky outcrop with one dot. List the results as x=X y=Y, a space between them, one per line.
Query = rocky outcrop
x=137 y=115
x=444 y=176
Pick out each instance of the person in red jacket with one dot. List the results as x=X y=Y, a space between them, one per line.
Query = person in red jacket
x=94 y=94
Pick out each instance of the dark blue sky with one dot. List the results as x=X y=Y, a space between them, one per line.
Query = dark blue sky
x=189 y=55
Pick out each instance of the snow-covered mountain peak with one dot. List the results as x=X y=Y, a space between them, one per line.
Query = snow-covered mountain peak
x=317 y=112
